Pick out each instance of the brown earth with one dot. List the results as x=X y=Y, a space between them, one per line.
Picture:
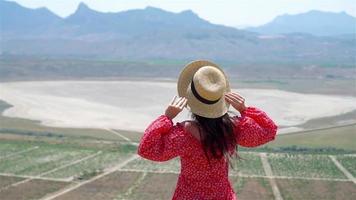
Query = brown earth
x=314 y=189
x=107 y=187
x=252 y=188
x=7 y=180
x=33 y=189
x=156 y=187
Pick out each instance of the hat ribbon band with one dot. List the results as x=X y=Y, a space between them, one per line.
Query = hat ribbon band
x=200 y=98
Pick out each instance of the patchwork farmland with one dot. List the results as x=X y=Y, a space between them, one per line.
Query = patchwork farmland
x=44 y=170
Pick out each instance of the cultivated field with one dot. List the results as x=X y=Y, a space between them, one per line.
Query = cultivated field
x=43 y=170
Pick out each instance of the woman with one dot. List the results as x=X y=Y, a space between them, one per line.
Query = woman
x=206 y=143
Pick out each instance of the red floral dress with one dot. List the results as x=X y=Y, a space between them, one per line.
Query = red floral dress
x=198 y=180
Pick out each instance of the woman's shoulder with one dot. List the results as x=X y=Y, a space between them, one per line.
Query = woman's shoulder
x=190 y=128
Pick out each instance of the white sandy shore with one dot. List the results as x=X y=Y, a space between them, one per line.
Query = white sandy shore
x=133 y=105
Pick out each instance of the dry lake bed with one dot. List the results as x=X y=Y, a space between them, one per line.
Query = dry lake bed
x=132 y=105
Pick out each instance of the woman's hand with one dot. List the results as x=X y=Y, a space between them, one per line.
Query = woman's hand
x=236 y=100
x=175 y=106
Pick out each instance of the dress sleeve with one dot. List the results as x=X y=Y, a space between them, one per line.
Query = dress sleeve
x=161 y=140
x=254 y=127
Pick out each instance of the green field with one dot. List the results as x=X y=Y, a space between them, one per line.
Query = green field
x=349 y=162
x=143 y=164
x=343 y=137
x=8 y=149
x=93 y=165
x=301 y=165
x=248 y=164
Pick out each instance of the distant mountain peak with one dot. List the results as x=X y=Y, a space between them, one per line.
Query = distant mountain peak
x=152 y=9
x=159 y=10
x=83 y=13
x=82 y=5
x=188 y=12
x=83 y=8
x=315 y=11
x=43 y=9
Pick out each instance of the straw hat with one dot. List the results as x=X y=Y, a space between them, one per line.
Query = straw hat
x=204 y=84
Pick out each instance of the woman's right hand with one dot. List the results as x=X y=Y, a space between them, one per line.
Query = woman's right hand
x=236 y=100
x=175 y=106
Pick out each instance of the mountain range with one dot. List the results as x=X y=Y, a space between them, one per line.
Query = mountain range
x=312 y=22
x=153 y=33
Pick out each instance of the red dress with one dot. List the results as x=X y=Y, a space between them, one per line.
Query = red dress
x=163 y=141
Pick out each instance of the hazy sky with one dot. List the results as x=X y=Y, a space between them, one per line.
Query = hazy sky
x=228 y=12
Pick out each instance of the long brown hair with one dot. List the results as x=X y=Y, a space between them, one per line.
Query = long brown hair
x=217 y=136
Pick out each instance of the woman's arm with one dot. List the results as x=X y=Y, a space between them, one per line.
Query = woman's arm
x=254 y=127
x=161 y=140
x=158 y=142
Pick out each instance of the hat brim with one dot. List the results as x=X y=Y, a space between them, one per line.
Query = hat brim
x=197 y=107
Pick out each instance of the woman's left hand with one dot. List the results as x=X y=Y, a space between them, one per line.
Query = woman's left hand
x=175 y=106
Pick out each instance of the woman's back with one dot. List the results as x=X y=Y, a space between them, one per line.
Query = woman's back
x=198 y=179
